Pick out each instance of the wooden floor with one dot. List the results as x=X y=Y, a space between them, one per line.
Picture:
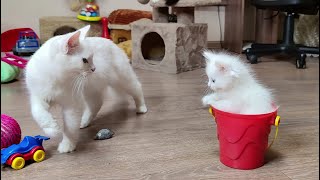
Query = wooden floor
x=177 y=139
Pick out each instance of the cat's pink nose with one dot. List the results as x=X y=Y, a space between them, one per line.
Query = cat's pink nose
x=93 y=69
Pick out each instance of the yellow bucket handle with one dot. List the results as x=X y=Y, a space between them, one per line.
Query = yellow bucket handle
x=276 y=123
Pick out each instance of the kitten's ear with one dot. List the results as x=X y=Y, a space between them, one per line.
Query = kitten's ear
x=84 y=31
x=206 y=54
x=90 y=57
x=224 y=68
x=72 y=43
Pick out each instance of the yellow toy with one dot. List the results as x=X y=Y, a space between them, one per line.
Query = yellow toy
x=127 y=48
x=120 y=35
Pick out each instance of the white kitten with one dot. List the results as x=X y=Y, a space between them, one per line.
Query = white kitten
x=235 y=89
x=74 y=71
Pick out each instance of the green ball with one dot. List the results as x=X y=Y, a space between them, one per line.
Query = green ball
x=8 y=72
x=143 y=1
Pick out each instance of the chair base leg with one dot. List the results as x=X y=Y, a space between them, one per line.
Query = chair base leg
x=287 y=46
x=301 y=61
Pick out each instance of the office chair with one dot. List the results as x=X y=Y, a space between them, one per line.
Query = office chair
x=287 y=46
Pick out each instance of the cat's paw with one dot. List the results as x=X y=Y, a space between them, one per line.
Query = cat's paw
x=209 y=100
x=84 y=124
x=142 y=109
x=206 y=101
x=86 y=118
x=66 y=146
x=52 y=131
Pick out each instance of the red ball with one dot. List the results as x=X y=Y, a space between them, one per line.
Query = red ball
x=10 y=131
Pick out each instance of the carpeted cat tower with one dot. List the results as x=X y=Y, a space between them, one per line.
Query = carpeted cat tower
x=170 y=47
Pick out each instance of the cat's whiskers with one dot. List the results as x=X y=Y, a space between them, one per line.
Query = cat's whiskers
x=78 y=84
x=203 y=75
x=82 y=83
x=75 y=83
x=204 y=83
x=207 y=91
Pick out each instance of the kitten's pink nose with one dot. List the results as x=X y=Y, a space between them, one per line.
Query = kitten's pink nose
x=93 y=69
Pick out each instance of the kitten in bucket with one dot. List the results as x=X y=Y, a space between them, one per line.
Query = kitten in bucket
x=235 y=88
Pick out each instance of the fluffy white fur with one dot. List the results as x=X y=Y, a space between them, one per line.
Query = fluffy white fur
x=74 y=71
x=235 y=89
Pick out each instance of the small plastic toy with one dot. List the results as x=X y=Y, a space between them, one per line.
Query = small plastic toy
x=29 y=148
x=90 y=12
x=10 y=67
x=10 y=37
x=105 y=30
x=104 y=134
x=27 y=44
x=14 y=60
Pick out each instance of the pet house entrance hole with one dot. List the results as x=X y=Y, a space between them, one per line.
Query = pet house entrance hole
x=63 y=30
x=50 y=25
x=153 y=48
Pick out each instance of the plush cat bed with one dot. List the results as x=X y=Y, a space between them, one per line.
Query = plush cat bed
x=127 y=47
x=8 y=72
x=120 y=35
x=126 y=16
x=120 y=20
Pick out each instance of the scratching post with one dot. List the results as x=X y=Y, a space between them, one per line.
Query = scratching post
x=179 y=44
x=160 y=14
x=170 y=47
x=185 y=15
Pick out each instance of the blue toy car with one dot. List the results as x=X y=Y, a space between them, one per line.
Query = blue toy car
x=29 y=148
x=27 y=44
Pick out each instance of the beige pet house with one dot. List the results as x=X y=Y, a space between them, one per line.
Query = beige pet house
x=170 y=47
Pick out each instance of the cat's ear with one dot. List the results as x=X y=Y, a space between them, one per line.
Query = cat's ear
x=72 y=43
x=84 y=31
x=206 y=54
x=224 y=68
x=90 y=57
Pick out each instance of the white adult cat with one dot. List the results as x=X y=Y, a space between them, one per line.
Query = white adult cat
x=73 y=71
x=235 y=89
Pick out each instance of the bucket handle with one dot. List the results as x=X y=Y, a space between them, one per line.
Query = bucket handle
x=276 y=123
x=212 y=112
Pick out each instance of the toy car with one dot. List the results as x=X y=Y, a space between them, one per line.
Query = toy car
x=29 y=148
x=27 y=44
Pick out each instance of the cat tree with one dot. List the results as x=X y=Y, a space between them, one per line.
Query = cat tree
x=170 y=47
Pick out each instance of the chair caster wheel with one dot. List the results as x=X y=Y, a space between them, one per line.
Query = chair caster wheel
x=301 y=61
x=253 y=59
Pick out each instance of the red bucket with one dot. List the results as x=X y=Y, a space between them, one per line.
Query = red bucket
x=243 y=139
